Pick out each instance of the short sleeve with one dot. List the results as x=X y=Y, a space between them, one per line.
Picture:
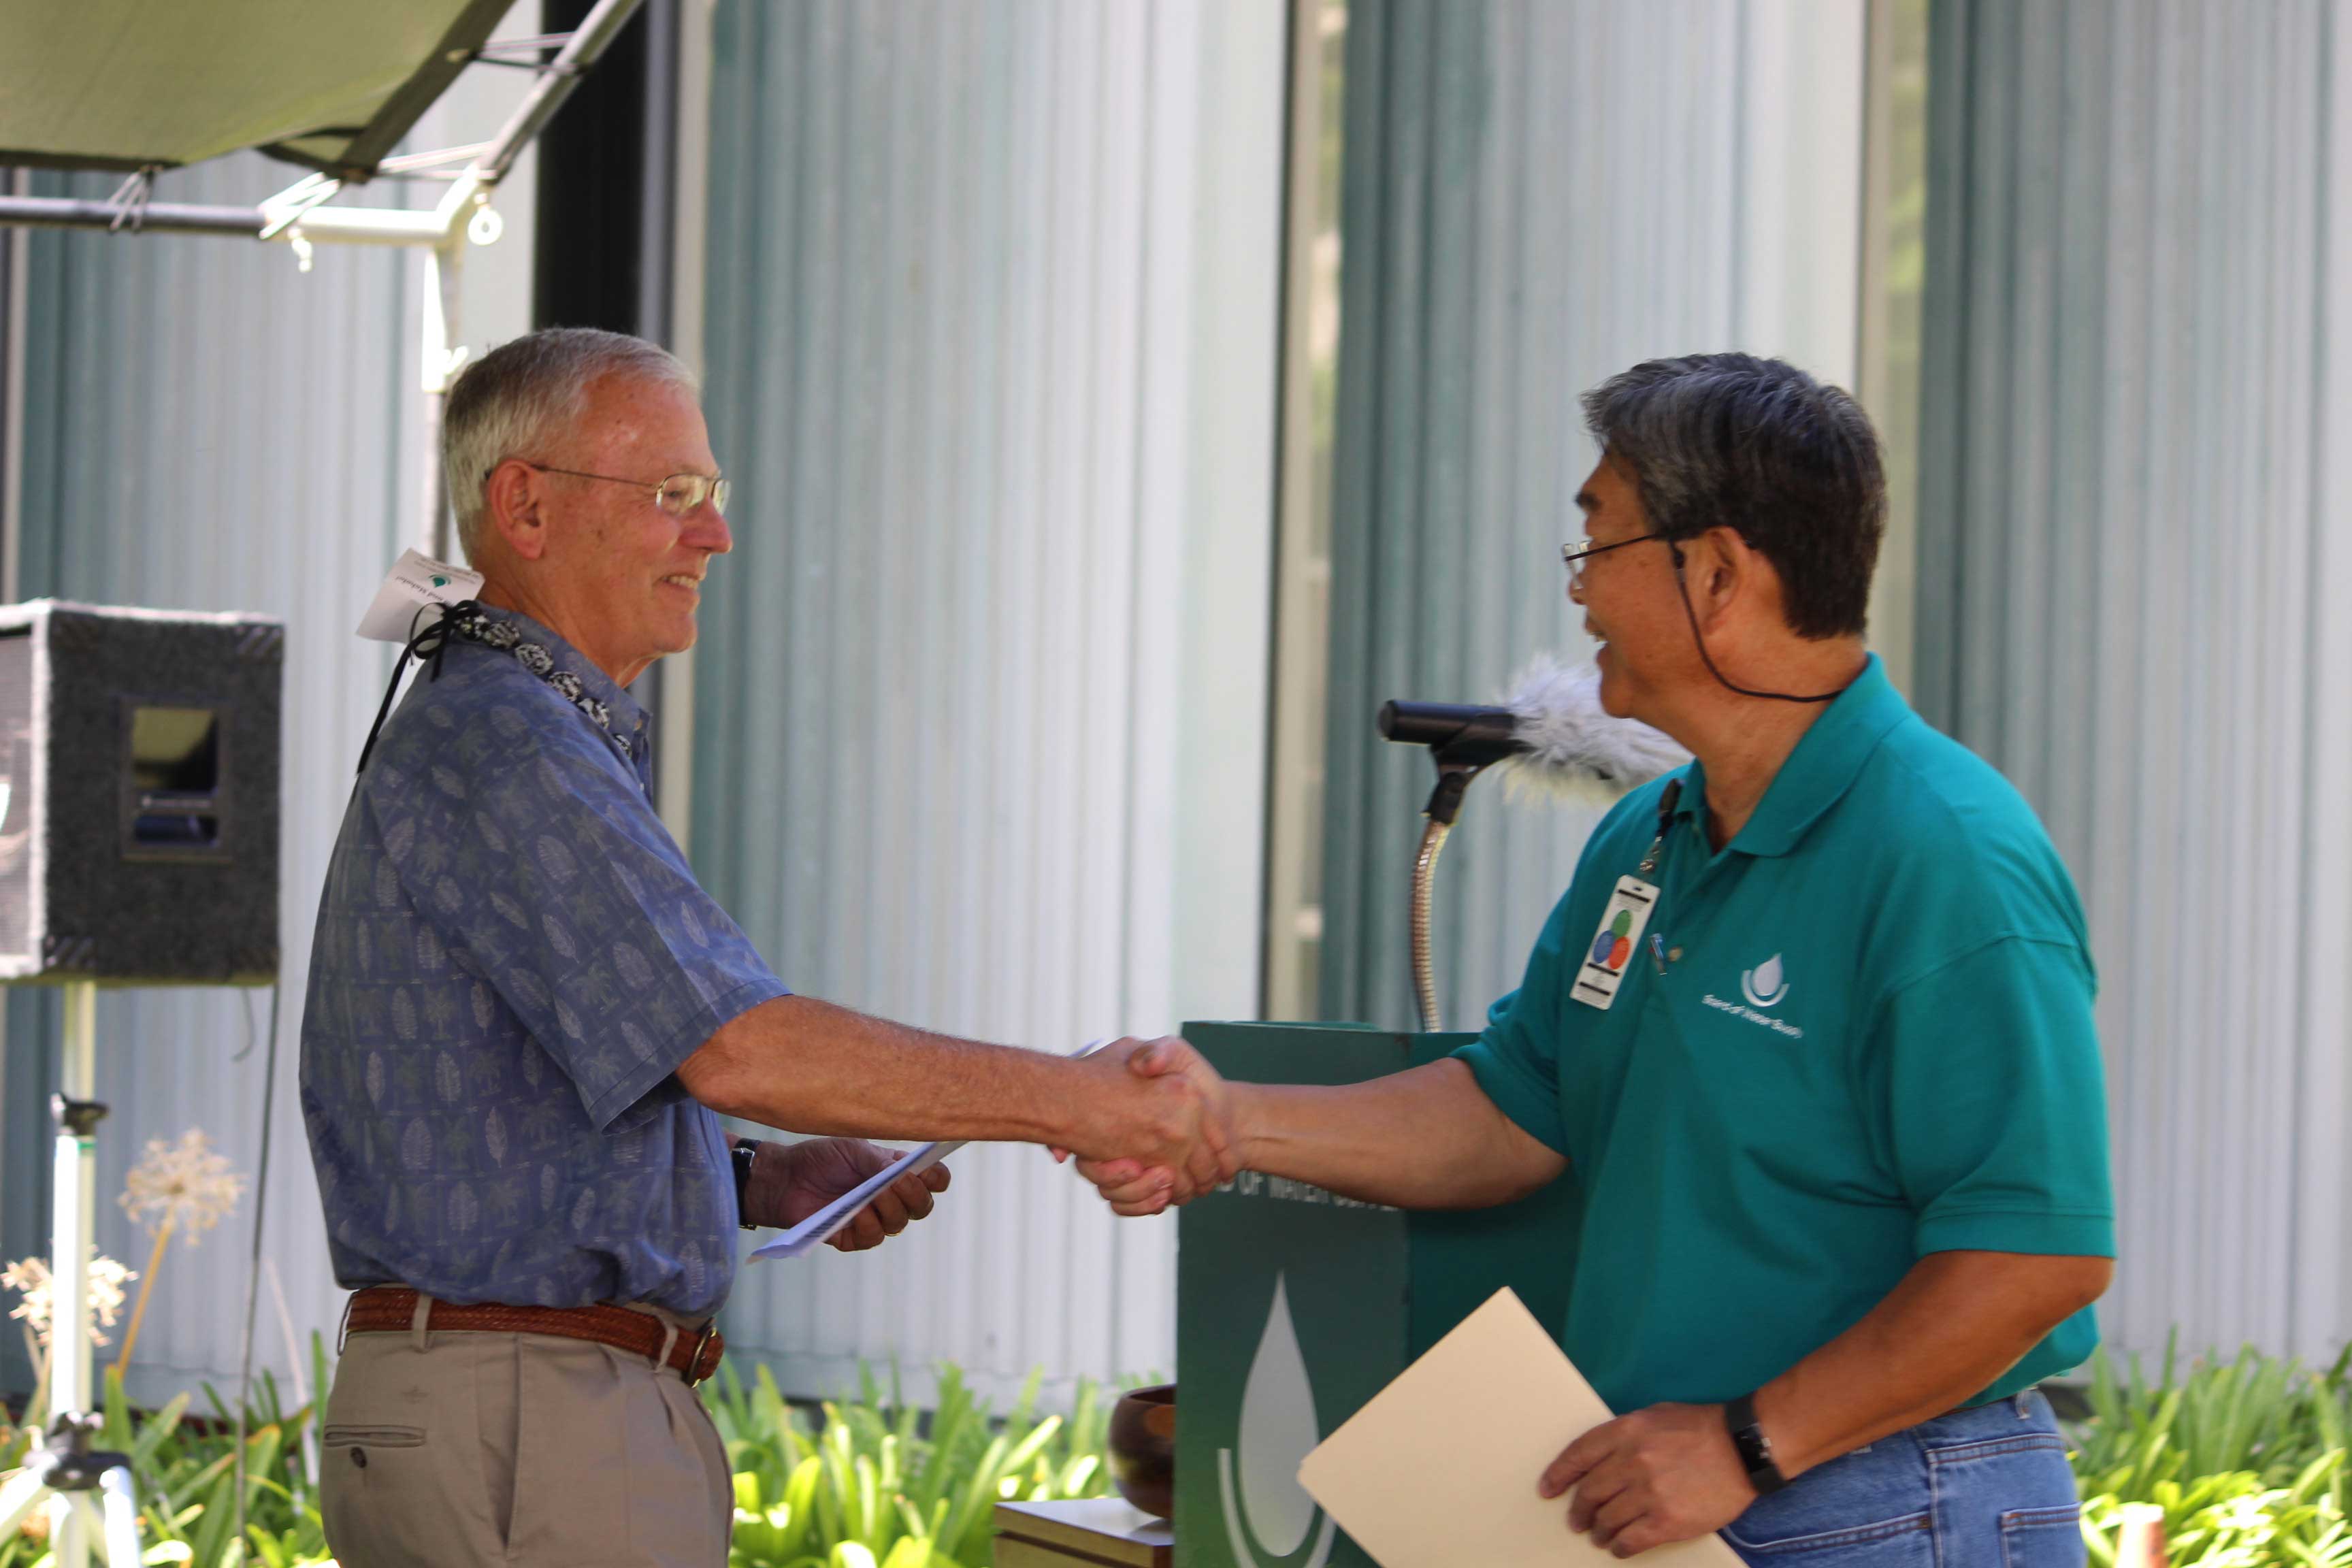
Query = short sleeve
x=1517 y=1058
x=1987 y=1073
x=540 y=864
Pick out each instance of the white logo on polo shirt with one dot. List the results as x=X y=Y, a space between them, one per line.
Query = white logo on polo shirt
x=1765 y=985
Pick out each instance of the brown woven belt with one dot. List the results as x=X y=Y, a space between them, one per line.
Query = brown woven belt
x=392 y=1309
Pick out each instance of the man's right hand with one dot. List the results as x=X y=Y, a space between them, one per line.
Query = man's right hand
x=1134 y=1182
x=1427 y=1138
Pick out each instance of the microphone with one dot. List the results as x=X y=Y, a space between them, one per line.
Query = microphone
x=1458 y=732
x=1549 y=730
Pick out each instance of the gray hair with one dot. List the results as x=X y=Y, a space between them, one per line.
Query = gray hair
x=515 y=400
x=1730 y=440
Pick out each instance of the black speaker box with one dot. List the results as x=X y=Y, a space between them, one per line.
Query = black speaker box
x=138 y=769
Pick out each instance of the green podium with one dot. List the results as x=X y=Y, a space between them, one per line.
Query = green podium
x=1293 y=1306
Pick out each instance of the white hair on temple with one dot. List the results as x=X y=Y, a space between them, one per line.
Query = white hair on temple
x=1574 y=747
x=512 y=400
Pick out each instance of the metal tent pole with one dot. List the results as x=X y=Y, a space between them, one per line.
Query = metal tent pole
x=73 y=1227
x=298 y=217
x=87 y=1493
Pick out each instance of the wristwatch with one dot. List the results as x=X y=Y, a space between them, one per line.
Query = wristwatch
x=1755 y=1448
x=745 y=1151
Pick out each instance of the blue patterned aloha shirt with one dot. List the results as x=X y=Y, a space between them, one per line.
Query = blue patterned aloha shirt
x=512 y=959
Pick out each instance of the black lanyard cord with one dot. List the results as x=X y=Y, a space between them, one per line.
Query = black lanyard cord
x=1683 y=589
x=1668 y=798
x=425 y=644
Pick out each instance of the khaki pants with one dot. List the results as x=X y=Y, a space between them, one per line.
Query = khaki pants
x=451 y=1450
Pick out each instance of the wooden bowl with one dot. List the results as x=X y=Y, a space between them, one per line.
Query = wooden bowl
x=1143 y=1448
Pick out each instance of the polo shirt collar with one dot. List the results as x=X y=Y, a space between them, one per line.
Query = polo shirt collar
x=1826 y=761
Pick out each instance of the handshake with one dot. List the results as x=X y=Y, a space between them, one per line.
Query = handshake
x=1161 y=1126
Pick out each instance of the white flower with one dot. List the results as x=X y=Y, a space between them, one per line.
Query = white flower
x=29 y=1278
x=185 y=1185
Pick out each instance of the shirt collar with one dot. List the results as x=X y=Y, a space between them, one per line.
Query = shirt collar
x=1827 y=760
x=628 y=717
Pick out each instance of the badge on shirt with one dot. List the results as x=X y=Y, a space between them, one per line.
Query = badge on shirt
x=1603 y=966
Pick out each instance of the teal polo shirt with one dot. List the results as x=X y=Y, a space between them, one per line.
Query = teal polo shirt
x=1873 y=1040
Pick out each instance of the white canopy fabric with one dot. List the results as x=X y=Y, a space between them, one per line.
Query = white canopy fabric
x=123 y=84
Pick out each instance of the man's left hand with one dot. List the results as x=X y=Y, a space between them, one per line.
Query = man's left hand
x=791 y=1181
x=1666 y=1473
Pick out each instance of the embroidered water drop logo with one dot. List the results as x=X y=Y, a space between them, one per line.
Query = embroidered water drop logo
x=439 y=581
x=1765 y=984
x=1277 y=1429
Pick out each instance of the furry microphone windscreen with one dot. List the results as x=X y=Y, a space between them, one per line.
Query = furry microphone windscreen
x=1575 y=749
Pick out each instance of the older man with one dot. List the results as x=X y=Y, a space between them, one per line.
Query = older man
x=525 y=1016
x=1811 y=1029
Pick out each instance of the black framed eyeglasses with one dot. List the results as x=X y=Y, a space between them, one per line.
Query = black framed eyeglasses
x=1574 y=554
x=677 y=495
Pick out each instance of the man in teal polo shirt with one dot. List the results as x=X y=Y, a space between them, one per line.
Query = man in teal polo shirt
x=1811 y=1029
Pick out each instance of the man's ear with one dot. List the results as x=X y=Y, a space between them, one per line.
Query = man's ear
x=1717 y=568
x=510 y=506
x=1738 y=572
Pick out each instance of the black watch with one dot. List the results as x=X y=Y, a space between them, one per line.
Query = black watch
x=746 y=1150
x=1755 y=1448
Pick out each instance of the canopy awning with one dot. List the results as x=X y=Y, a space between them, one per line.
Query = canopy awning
x=127 y=84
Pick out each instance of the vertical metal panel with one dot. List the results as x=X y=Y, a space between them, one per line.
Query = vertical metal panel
x=2118 y=600
x=2322 y=1283
x=208 y=430
x=989 y=348
x=1538 y=195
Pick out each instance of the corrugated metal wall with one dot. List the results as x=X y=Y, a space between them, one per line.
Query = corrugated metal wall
x=981 y=697
x=1536 y=195
x=2133 y=536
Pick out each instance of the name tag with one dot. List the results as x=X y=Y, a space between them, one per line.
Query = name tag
x=416 y=581
x=1602 y=968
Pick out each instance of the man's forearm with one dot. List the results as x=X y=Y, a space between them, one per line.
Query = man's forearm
x=811 y=1067
x=1425 y=1139
x=1955 y=1323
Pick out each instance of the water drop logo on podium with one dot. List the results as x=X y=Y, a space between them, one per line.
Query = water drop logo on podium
x=1277 y=1430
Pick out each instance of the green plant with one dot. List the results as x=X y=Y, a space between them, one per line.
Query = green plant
x=2233 y=1520
x=2246 y=1458
x=187 y=1480
x=879 y=1486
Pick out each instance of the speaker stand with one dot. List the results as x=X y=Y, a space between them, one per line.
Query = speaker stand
x=65 y=1472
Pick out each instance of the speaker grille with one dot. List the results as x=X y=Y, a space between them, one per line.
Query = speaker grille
x=146 y=849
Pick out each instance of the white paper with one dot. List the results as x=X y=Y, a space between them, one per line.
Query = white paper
x=416 y=581
x=1440 y=1469
x=812 y=1231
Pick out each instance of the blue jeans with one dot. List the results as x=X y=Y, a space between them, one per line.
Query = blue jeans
x=1988 y=1488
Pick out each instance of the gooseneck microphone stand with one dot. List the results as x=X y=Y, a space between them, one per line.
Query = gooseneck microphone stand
x=1444 y=804
x=1553 y=725
x=87 y=1491
x=1462 y=740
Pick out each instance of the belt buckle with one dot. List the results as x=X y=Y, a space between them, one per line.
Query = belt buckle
x=695 y=1373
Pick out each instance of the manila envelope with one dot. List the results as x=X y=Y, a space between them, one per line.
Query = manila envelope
x=1439 y=1469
